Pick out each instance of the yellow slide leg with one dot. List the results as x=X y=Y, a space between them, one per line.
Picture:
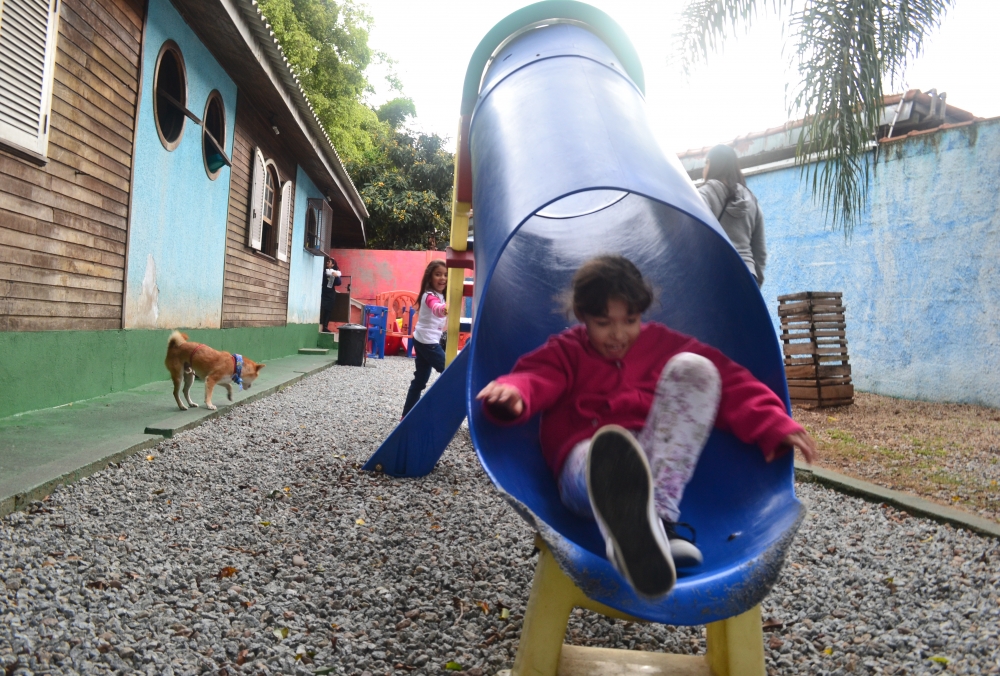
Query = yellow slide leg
x=552 y=598
x=736 y=645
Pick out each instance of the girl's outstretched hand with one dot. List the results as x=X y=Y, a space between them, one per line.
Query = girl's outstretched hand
x=504 y=397
x=805 y=443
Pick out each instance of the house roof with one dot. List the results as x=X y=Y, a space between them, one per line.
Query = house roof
x=903 y=115
x=241 y=40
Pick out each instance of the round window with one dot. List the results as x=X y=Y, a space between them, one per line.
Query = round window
x=213 y=135
x=170 y=88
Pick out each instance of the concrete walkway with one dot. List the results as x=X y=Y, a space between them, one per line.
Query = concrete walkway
x=41 y=449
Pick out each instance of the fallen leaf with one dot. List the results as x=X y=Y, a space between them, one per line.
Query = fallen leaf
x=929 y=538
x=228 y=571
x=265 y=524
x=281 y=633
x=828 y=651
x=159 y=491
x=241 y=657
x=830 y=418
x=150 y=458
x=485 y=606
x=453 y=666
x=505 y=613
x=122 y=537
x=940 y=659
x=287 y=489
x=360 y=522
x=771 y=623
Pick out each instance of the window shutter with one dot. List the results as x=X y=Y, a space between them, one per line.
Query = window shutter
x=257 y=200
x=28 y=30
x=325 y=241
x=285 y=220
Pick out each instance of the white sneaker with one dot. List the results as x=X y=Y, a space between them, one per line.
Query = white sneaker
x=621 y=494
x=682 y=549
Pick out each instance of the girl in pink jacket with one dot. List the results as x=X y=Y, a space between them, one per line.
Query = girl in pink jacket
x=627 y=408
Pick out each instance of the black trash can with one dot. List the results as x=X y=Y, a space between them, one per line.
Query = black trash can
x=351 y=348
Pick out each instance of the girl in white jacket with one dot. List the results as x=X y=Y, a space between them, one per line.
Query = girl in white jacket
x=431 y=318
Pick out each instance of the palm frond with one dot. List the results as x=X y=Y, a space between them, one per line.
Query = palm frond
x=847 y=50
x=707 y=24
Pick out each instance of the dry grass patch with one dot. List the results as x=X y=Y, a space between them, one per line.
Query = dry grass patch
x=949 y=453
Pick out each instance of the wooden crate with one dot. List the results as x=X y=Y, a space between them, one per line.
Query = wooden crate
x=814 y=343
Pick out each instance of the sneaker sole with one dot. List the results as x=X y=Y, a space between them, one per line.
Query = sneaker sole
x=616 y=461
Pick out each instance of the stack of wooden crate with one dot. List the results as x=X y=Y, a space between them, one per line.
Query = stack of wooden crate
x=815 y=347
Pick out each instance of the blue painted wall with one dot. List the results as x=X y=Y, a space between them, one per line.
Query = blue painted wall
x=177 y=236
x=305 y=270
x=921 y=273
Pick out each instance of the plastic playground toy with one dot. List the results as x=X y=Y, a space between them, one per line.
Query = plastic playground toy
x=558 y=157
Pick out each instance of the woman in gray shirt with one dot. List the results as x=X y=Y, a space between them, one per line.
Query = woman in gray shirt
x=727 y=196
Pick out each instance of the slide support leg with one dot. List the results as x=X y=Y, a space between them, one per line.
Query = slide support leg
x=552 y=598
x=736 y=645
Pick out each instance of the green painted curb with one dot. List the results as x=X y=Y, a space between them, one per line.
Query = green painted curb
x=905 y=501
x=162 y=430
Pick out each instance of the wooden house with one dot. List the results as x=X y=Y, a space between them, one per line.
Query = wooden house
x=160 y=168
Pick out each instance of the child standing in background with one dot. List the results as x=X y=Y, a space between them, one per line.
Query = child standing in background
x=627 y=408
x=432 y=314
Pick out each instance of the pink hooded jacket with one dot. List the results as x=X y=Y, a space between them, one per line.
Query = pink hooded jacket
x=578 y=391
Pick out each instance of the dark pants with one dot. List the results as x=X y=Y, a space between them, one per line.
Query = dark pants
x=429 y=355
x=325 y=310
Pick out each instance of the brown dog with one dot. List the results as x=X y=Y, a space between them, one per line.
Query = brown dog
x=185 y=359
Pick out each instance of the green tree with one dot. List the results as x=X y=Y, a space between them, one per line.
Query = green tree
x=406 y=183
x=846 y=51
x=404 y=177
x=326 y=42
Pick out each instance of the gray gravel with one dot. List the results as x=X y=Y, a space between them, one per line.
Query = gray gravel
x=253 y=544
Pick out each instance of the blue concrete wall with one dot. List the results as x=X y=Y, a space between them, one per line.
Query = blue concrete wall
x=921 y=273
x=177 y=236
x=305 y=270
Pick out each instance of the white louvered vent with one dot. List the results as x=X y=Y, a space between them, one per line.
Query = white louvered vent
x=27 y=57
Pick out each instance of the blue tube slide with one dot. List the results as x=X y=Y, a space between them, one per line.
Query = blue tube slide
x=565 y=166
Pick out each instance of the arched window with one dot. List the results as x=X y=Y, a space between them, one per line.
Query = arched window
x=269 y=231
x=213 y=136
x=270 y=209
x=170 y=95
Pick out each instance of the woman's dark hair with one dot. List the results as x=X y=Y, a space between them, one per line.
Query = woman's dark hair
x=609 y=277
x=425 y=282
x=724 y=166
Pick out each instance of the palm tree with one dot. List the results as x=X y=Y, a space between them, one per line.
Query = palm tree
x=846 y=50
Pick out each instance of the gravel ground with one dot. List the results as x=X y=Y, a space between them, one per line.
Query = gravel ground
x=949 y=453
x=253 y=544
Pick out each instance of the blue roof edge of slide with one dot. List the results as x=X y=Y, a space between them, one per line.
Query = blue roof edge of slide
x=596 y=21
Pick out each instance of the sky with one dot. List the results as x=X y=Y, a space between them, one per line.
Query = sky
x=738 y=91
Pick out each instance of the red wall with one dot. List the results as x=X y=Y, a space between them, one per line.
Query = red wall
x=375 y=271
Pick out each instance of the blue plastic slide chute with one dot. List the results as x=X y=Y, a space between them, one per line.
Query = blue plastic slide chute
x=565 y=166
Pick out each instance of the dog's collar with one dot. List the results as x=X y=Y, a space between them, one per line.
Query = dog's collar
x=200 y=345
x=238 y=370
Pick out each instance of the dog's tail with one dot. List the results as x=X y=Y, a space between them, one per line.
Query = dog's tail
x=176 y=339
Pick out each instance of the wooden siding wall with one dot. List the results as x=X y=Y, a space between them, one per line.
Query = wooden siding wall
x=63 y=226
x=255 y=290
